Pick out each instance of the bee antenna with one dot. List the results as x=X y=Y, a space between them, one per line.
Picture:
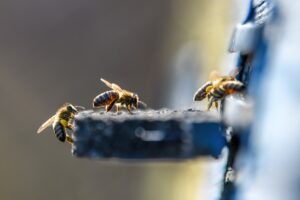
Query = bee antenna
x=144 y=104
x=80 y=107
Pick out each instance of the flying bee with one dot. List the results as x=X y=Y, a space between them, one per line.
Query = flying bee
x=218 y=88
x=117 y=96
x=62 y=120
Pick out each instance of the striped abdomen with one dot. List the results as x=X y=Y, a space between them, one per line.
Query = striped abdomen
x=226 y=88
x=202 y=92
x=233 y=86
x=105 y=98
x=59 y=131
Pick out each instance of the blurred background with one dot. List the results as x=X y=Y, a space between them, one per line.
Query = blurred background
x=52 y=52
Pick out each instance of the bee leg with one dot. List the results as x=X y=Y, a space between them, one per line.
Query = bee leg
x=70 y=127
x=129 y=109
x=217 y=105
x=69 y=139
x=118 y=108
x=109 y=107
x=210 y=102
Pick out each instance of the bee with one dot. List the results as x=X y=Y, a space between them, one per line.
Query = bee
x=61 y=121
x=217 y=89
x=117 y=96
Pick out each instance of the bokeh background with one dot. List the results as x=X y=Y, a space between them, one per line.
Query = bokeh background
x=52 y=52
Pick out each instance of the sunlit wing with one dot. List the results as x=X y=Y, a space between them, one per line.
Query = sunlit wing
x=214 y=75
x=126 y=92
x=234 y=72
x=46 y=124
x=112 y=85
x=66 y=104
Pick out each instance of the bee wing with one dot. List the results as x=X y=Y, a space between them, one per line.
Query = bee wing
x=214 y=75
x=46 y=124
x=126 y=92
x=112 y=85
x=234 y=72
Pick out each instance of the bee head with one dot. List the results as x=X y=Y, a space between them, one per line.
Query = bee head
x=72 y=108
x=135 y=100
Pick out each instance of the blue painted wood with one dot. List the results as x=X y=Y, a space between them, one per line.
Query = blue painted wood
x=163 y=134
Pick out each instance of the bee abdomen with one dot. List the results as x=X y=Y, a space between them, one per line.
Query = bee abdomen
x=60 y=131
x=201 y=92
x=105 y=98
x=233 y=86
